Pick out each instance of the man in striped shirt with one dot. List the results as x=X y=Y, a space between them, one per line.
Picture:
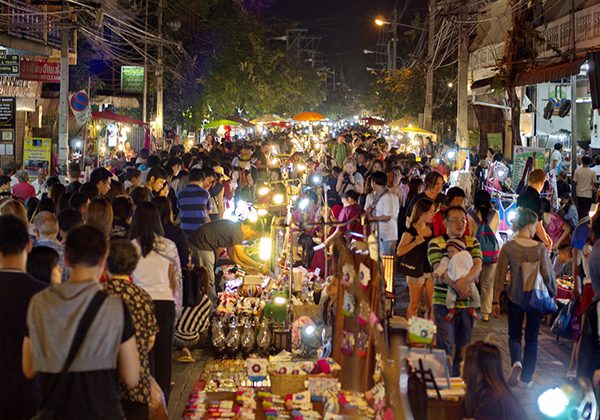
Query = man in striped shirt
x=454 y=333
x=194 y=202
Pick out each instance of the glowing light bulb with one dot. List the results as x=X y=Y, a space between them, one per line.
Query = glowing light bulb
x=262 y=191
x=278 y=199
x=265 y=249
x=553 y=402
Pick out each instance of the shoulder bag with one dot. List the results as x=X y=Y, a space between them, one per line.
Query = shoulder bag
x=46 y=412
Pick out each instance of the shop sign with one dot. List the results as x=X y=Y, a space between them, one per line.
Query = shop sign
x=9 y=65
x=132 y=79
x=526 y=158
x=7 y=123
x=36 y=153
x=40 y=71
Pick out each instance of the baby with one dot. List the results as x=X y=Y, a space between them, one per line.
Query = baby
x=458 y=263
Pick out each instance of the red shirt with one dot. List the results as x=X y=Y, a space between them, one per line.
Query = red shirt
x=439 y=229
x=23 y=190
x=348 y=213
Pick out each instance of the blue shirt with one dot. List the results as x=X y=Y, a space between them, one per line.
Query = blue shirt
x=580 y=234
x=194 y=203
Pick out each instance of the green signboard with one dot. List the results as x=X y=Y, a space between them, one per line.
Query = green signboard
x=9 y=65
x=132 y=79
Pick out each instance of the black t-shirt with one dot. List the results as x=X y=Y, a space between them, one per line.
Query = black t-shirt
x=216 y=234
x=419 y=253
x=530 y=199
x=175 y=234
x=438 y=201
x=16 y=397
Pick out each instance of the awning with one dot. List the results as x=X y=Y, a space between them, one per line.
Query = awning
x=111 y=116
x=549 y=73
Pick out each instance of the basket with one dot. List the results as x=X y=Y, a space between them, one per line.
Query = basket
x=287 y=383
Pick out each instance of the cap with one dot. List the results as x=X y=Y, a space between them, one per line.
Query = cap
x=219 y=170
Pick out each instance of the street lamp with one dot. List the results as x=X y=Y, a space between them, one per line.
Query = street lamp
x=381 y=22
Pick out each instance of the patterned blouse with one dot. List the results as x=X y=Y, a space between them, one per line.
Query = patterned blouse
x=141 y=307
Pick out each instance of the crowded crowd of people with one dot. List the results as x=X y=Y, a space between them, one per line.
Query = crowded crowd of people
x=93 y=269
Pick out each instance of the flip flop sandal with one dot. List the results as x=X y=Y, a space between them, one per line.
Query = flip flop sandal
x=186 y=359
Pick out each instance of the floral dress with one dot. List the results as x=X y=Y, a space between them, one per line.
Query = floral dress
x=141 y=307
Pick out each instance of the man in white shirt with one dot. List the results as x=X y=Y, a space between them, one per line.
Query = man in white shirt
x=596 y=167
x=584 y=181
x=382 y=208
x=40 y=182
x=556 y=158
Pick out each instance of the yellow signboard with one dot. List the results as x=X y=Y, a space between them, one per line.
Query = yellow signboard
x=36 y=153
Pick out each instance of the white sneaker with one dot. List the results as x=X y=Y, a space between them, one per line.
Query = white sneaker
x=513 y=379
x=525 y=385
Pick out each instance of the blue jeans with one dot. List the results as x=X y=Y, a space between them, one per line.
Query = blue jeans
x=387 y=247
x=515 y=332
x=453 y=335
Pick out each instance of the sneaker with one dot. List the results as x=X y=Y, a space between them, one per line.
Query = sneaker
x=513 y=379
x=525 y=385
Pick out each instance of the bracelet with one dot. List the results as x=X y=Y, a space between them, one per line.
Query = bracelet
x=495 y=302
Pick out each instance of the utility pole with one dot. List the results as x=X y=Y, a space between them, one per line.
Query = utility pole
x=63 y=108
x=394 y=38
x=145 y=93
x=462 y=135
x=159 y=76
x=389 y=56
x=428 y=110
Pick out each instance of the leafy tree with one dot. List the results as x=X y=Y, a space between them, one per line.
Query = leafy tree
x=400 y=93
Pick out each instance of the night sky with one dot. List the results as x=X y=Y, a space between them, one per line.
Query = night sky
x=346 y=27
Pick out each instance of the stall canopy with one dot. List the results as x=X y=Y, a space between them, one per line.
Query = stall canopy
x=219 y=123
x=413 y=129
x=403 y=122
x=549 y=73
x=309 y=116
x=241 y=121
x=111 y=116
x=373 y=121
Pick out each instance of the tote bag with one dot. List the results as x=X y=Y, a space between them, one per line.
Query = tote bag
x=536 y=297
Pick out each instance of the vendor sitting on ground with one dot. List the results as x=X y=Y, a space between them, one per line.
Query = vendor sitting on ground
x=208 y=238
x=193 y=322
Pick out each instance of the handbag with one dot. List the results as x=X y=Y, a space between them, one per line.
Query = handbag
x=561 y=327
x=192 y=284
x=46 y=412
x=536 y=297
x=157 y=406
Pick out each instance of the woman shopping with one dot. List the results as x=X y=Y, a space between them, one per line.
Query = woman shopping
x=525 y=258
x=159 y=273
x=412 y=251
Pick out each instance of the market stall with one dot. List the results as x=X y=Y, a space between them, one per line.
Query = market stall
x=110 y=132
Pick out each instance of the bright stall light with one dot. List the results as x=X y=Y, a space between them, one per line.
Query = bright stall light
x=301 y=167
x=316 y=179
x=262 y=212
x=264 y=252
x=451 y=154
x=279 y=300
x=552 y=402
x=303 y=204
x=262 y=191
x=274 y=161
x=278 y=199
x=309 y=330
x=511 y=216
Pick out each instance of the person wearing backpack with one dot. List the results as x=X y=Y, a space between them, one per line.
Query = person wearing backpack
x=486 y=235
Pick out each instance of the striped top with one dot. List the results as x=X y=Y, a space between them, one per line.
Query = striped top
x=194 y=203
x=435 y=252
